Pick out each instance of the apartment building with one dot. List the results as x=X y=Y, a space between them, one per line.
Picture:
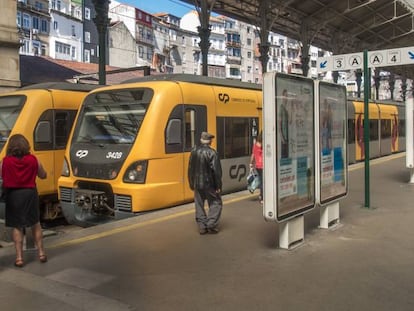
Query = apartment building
x=9 y=48
x=65 y=29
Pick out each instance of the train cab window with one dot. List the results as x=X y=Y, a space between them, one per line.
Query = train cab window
x=10 y=107
x=234 y=137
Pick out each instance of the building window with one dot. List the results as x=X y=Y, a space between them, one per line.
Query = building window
x=93 y=52
x=56 y=5
x=87 y=37
x=249 y=69
x=87 y=56
x=73 y=52
x=62 y=48
x=39 y=5
x=249 y=54
x=26 y=21
x=87 y=14
x=44 y=26
x=249 y=41
x=140 y=52
x=35 y=22
x=73 y=31
x=19 y=19
x=55 y=25
x=24 y=49
x=234 y=71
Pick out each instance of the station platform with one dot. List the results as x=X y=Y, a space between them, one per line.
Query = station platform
x=158 y=261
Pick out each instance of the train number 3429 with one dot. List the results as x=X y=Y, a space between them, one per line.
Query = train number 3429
x=114 y=155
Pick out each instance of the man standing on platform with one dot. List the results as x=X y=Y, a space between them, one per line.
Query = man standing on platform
x=204 y=176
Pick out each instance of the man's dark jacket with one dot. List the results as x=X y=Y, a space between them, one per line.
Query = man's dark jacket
x=204 y=168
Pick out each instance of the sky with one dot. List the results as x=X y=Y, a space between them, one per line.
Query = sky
x=175 y=7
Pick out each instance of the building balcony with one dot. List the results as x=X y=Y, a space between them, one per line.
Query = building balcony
x=234 y=60
x=22 y=6
x=144 y=39
x=235 y=44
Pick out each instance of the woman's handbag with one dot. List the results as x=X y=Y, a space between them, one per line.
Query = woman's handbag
x=253 y=180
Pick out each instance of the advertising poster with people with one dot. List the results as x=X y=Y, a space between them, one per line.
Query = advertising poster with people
x=295 y=145
x=332 y=139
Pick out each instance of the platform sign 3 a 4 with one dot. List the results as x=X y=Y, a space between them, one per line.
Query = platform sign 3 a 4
x=378 y=58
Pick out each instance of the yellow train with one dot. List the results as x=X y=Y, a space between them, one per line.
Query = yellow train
x=387 y=129
x=129 y=149
x=44 y=113
x=130 y=146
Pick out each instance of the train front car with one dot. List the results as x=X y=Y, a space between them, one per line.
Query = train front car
x=106 y=129
x=131 y=144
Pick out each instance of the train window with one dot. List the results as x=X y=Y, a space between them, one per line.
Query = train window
x=43 y=132
x=401 y=128
x=233 y=137
x=192 y=120
x=174 y=132
x=63 y=124
x=373 y=130
x=385 y=128
x=351 y=131
x=190 y=128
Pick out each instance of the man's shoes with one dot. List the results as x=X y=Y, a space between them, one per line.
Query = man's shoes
x=213 y=230
x=203 y=231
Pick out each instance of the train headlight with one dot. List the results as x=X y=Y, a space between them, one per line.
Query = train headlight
x=65 y=168
x=136 y=172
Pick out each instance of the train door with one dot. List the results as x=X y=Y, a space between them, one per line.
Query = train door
x=374 y=131
x=50 y=136
x=195 y=122
x=388 y=131
x=184 y=127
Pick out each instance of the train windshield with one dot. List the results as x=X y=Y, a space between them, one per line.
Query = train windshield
x=112 y=117
x=10 y=107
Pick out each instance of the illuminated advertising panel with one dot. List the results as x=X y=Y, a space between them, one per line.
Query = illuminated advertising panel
x=332 y=141
x=289 y=146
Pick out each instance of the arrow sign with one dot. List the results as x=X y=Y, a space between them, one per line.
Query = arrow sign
x=322 y=65
x=380 y=58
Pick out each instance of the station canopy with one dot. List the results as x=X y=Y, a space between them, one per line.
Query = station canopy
x=340 y=26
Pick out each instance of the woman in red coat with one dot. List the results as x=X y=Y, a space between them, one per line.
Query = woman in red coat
x=256 y=161
x=19 y=169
